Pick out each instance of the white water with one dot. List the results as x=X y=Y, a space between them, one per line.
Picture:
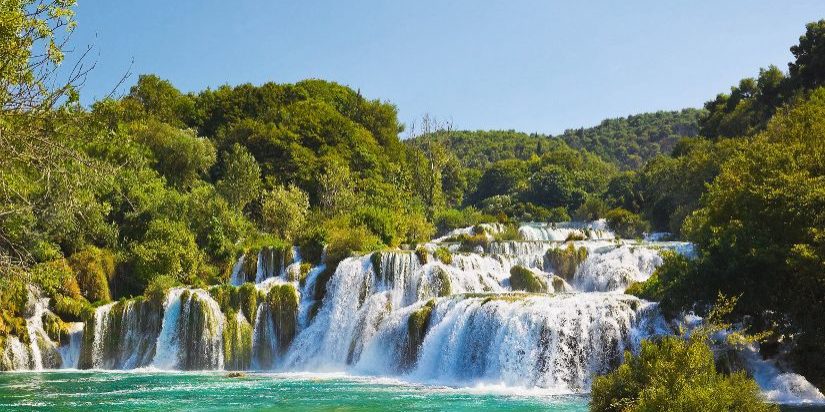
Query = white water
x=478 y=333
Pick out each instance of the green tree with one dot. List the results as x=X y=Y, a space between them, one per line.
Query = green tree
x=675 y=374
x=167 y=249
x=180 y=156
x=240 y=181
x=809 y=67
x=284 y=211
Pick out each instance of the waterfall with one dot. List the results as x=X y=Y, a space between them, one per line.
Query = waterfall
x=191 y=335
x=70 y=352
x=121 y=335
x=430 y=316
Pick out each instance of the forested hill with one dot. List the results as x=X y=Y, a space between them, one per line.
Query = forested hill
x=629 y=142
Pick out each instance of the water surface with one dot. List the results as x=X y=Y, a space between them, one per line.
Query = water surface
x=152 y=391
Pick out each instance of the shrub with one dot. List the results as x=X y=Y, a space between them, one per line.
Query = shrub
x=626 y=224
x=593 y=208
x=94 y=269
x=524 y=279
x=450 y=219
x=510 y=232
x=675 y=375
x=345 y=239
x=159 y=286
x=470 y=243
x=56 y=278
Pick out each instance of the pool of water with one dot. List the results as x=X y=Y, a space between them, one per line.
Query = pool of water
x=152 y=391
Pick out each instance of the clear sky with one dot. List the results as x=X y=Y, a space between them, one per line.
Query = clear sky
x=534 y=66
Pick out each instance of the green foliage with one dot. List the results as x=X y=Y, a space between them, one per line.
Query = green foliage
x=344 y=239
x=450 y=219
x=284 y=210
x=469 y=243
x=179 y=155
x=169 y=250
x=509 y=233
x=592 y=209
x=240 y=181
x=631 y=141
x=159 y=286
x=750 y=105
x=443 y=254
x=522 y=278
x=94 y=268
x=626 y=224
x=157 y=98
x=675 y=374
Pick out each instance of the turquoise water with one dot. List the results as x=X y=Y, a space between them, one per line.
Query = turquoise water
x=149 y=391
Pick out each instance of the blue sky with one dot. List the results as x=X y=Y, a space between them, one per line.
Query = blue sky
x=534 y=66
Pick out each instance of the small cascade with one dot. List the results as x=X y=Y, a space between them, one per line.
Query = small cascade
x=70 y=351
x=191 y=336
x=238 y=276
x=561 y=232
x=779 y=386
x=16 y=355
x=615 y=270
x=121 y=335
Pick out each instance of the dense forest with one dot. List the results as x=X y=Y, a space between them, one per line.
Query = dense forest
x=160 y=187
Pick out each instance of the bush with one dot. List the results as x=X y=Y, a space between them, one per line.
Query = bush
x=626 y=224
x=675 y=375
x=56 y=278
x=592 y=209
x=510 y=232
x=470 y=243
x=524 y=279
x=343 y=240
x=94 y=269
x=159 y=286
x=450 y=219
x=168 y=249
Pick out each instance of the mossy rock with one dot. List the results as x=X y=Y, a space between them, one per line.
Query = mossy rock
x=56 y=329
x=422 y=254
x=304 y=270
x=283 y=302
x=377 y=260
x=320 y=288
x=443 y=282
x=524 y=279
x=237 y=342
x=443 y=254
x=564 y=262
x=417 y=325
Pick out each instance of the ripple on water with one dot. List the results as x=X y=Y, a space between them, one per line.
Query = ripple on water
x=104 y=391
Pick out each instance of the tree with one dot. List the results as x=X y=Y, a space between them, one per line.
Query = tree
x=809 y=67
x=284 y=210
x=180 y=156
x=240 y=181
x=167 y=249
x=675 y=374
x=161 y=100
x=553 y=186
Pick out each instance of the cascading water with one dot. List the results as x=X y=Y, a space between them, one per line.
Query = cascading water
x=460 y=319
x=191 y=336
